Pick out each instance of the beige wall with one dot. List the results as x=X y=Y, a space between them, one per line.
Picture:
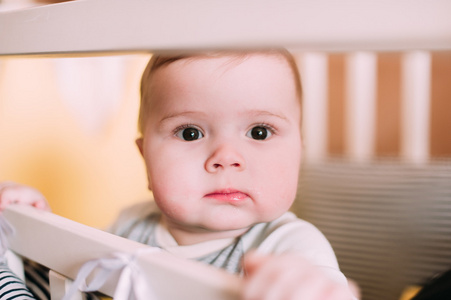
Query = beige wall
x=87 y=172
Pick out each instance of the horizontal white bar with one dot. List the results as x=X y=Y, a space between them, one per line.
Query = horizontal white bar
x=151 y=25
x=64 y=246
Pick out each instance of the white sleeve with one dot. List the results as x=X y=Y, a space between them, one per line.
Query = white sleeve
x=289 y=234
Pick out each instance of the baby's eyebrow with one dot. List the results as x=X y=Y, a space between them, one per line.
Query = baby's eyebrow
x=180 y=115
x=258 y=113
x=252 y=113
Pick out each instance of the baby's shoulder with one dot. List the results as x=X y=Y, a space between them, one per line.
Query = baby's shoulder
x=289 y=226
x=288 y=233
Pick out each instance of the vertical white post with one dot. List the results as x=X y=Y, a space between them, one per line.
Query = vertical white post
x=59 y=285
x=416 y=82
x=314 y=75
x=361 y=83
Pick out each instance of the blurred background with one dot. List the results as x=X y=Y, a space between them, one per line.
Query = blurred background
x=68 y=128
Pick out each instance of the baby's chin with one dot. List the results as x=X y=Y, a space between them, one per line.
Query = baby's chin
x=230 y=222
x=238 y=226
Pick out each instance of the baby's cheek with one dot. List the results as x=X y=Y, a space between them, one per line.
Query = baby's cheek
x=281 y=192
x=171 y=204
x=173 y=210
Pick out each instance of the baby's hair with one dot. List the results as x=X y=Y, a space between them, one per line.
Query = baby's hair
x=158 y=61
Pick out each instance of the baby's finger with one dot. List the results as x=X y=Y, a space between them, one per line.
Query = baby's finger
x=283 y=287
x=338 y=292
x=5 y=201
x=252 y=261
x=321 y=288
x=257 y=276
x=12 y=193
x=42 y=205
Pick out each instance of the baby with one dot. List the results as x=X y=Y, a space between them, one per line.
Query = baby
x=221 y=140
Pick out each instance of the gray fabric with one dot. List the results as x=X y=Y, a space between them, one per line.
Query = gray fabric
x=229 y=258
x=143 y=230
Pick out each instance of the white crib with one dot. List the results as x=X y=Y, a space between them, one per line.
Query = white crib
x=311 y=29
x=64 y=246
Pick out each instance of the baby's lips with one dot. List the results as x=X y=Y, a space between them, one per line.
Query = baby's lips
x=228 y=195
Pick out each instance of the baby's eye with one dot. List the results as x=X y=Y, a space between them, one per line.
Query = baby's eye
x=189 y=134
x=259 y=133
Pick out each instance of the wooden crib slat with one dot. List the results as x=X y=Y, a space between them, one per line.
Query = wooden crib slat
x=64 y=246
x=314 y=76
x=361 y=105
x=416 y=98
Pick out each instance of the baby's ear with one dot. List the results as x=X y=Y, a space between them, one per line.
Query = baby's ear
x=139 y=143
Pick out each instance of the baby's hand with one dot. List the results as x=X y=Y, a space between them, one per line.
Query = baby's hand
x=11 y=192
x=271 y=277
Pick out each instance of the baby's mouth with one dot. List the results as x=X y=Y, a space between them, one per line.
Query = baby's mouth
x=228 y=195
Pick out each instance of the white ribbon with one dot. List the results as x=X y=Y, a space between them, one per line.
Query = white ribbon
x=5 y=230
x=131 y=284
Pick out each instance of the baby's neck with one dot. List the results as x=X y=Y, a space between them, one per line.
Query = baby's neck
x=190 y=236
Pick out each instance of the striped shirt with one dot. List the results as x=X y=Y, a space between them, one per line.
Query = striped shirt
x=11 y=286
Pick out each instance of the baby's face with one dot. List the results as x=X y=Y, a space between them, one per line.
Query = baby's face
x=222 y=142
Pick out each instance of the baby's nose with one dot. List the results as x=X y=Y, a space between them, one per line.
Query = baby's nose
x=225 y=157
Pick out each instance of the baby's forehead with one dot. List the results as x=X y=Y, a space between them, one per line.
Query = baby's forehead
x=241 y=69
x=233 y=59
x=221 y=63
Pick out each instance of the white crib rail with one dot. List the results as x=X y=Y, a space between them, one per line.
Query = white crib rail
x=146 y=25
x=64 y=246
